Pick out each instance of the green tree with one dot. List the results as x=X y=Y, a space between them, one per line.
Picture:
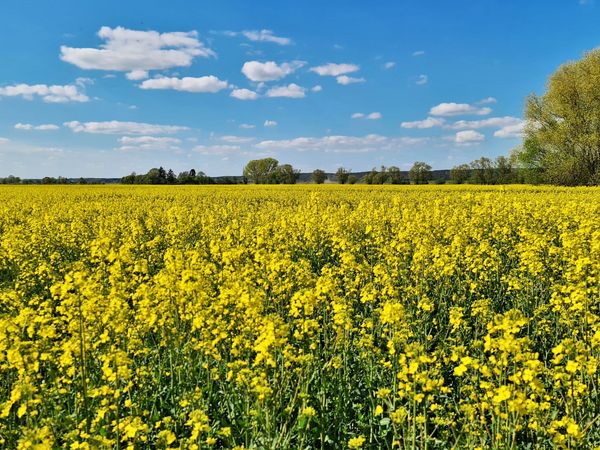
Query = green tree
x=461 y=173
x=419 y=173
x=319 y=176
x=261 y=171
x=482 y=171
x=562 y=136
x=286 y=174
x=394 y=175
x=341 y=175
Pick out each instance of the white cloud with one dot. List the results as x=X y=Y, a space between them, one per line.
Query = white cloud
x=291 y=90
x=418 y=53
x=422 y=79
x=389 y=65
x=511 y=131
x=49 y=94
x=116 y=127
x=468 y=137
x=487 y=101
x=345 y=80
x=208 y=84
x=335 y=70
x=216 y=149
x=135 y=51
x=270 y=70
x=485 y=123
x=247 y=126
x=129 y=143
x=236 y=139
x=316 y=88
x=457 y=109
x=4 y=140
x=244 y=94
x=340 y=144
x=266 y=36
x=371 y=116
x=30 y=127
x=430 y=122
x=270 y=123
x=137 y=75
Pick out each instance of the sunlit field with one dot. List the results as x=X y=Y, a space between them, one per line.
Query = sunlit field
x=299 y=317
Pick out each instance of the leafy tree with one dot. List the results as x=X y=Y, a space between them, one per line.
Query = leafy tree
x=562 y=136
x=319 y=176
x=419 y=173
x=260 y=171
x=483 y=171
x=171 y=178
x=369 y=178
x=352 y=179
x=504 y=170
x=341 y=175
x=286 y=174
x=380 y=177
x=394 y=175
x=461 y=173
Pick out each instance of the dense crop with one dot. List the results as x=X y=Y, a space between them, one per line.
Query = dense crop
x=299 y=317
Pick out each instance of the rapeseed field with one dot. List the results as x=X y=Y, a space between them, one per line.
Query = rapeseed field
x=389 y=317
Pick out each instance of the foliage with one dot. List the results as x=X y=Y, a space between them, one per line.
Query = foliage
x=377 y=317
x=319 y=176
x=562 y=137
x=342 y=175
x=460 y=174
x=419 y=173
x=268 y=171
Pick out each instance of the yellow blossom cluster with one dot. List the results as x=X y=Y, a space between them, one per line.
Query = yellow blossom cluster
x=276 y=317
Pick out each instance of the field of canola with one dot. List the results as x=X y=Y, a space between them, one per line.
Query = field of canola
x=299 y=317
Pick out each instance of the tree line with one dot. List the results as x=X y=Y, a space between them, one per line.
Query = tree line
x=161 y=176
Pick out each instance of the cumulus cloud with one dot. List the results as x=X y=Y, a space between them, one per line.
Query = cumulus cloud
x=244 y=94
x=270 y=70
x=136 y=51
x=510 y=131
x=340 y=144
x=316 y=88
x=422 y=79
x=30 y=127
x=468 y=137
x=487 y=101
x=418 y=53
x=49 y=94
x=220 y=150
x=485 y=123
x=236 y=139
x=389 y=65
x=334 y=70
x=137 y=75
x=458 y=109
x=370 y=116
x=344 y=79
x=208 y=84
x=247 y=126
x=291 y=90
x=429 y=122
x=117 y=127
x=270 y=123
x=266 y=36
x=129 y=143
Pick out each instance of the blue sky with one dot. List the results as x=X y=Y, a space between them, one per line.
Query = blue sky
x=101 y=89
